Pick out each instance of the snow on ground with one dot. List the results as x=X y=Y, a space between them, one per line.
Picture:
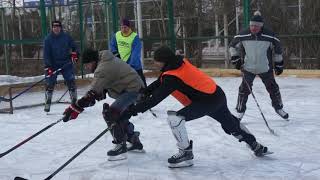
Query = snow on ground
x=217 y=155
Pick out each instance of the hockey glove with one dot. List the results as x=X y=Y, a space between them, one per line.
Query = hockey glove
x=278 y=68
x=71 y=112
x=49 y=71
x=236 y=61
x=74 y=57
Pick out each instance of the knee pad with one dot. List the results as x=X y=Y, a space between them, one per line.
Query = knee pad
x=71 y=85
x=177 y=125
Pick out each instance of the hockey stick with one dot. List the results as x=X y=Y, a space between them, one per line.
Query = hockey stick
x=254 y=97
x=153 y=113
x=29 y=138
x=36 y=83
x=72 y=158
x=58 y=101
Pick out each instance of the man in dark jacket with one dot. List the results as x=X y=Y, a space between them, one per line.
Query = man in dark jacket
x=257 y=46
x=59 y=51
x=120 y=82
x=200 y=95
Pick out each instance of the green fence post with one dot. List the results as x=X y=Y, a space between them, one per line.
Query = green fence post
x=81 y=32
x=246 y=10
x=115 y=16
x=43 y=18
x=171 y=25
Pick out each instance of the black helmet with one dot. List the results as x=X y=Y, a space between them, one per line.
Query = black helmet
x=90 y=55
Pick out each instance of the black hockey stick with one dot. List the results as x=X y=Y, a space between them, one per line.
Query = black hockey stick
x=29 y=138
x=34 y=84
x=72 y=158
x=254 y=97
x=58 y=101
x=153 y=113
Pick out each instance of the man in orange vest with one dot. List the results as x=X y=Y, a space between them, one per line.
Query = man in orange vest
x=200 y=96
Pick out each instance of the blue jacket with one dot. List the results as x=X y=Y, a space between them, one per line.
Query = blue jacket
x=57 y=49
x=135 y=58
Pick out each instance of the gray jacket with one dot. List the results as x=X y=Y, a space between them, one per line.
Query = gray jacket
x=114 y=76
x=258 y=50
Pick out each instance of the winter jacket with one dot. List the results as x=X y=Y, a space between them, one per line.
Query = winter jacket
x=169 y=82
x=114 y=76
x=257 y=50
x=131 y=44
x=57 y=49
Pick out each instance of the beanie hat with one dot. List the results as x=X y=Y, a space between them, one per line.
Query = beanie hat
x=90 y=55
x=55 y=23
x=256 y=19
x=125 y=22
x=164 y=54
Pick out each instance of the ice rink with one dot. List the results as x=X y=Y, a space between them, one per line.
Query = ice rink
x=217 y=155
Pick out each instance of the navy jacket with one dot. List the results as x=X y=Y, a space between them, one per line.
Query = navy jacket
x=57 y=49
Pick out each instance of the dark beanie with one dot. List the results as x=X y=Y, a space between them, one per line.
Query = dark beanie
x=90 y=55
x=125 y=22
x=164 y=54
x=256 y=19
x=56 y=23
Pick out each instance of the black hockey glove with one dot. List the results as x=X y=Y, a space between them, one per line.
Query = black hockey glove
x=236 y=61
x=278 y=68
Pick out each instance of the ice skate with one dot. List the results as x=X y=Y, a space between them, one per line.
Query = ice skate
x=282 y=113
x=134 y=144
x=184 y=158
x=119 y=152
x=260 y=150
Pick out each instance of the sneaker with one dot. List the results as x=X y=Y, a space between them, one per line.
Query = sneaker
x=119 y=152
x=183 y=158
x=282 y=113
x=239 y=115
x=259 y=150
x=134 y=143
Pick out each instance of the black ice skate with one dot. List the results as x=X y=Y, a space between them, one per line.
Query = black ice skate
x=259 y=150
x=183 y=158
x=134 y=143
x=282 y=113
x=119 y=152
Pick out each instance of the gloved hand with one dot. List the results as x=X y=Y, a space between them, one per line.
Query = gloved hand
x=71 y=112
x=49 y=71
x=74 y=57
x=278 y=68
x=236 y=60
x=143 y=95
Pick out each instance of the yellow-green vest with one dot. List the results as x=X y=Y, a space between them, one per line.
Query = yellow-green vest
x=125 y=45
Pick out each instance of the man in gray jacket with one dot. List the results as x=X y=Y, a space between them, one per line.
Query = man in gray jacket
x=122 y=83
x=257 y=46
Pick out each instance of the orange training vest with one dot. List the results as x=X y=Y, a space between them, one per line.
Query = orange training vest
x=194 y=78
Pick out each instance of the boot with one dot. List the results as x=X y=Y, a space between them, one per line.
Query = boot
x=119 y=152
x=183 y=158
x=134 y=142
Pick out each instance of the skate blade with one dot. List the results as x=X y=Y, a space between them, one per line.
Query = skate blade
x=118 y=158
x=264 y=154
x=137 y=151
x=182 y=164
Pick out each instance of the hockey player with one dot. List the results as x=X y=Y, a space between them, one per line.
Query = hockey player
x=122 y=83
x=257 y=44
x=200 y=95
x=59 y=51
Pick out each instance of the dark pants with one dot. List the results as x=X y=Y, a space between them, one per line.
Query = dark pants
x=121 y=129
x=217 y=109
x=246 y=87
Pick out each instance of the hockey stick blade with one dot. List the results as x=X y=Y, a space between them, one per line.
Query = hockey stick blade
x=4 y=99
x=19 y=178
